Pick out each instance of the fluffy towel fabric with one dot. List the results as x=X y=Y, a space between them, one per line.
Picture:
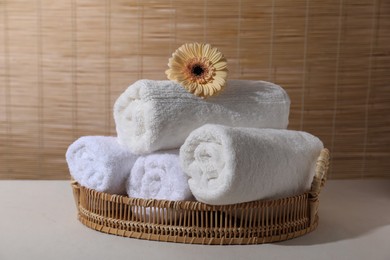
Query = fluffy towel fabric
x=159 y=176
x=155 y=115
x=100 y=163
x=229 y=165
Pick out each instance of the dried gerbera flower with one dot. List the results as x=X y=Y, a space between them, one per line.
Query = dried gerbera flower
x=199 y=68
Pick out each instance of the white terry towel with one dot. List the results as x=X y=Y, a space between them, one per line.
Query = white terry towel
x=100 y=163
x=158 y=176
x=229 y=165
x=155 y=115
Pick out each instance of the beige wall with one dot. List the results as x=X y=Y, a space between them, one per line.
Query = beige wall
x=63 y=64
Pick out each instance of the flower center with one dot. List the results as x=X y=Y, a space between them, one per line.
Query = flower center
x=197 y=70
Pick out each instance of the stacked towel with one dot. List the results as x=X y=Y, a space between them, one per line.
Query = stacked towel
x=100 y=163
x=155 y=115
x=230 y=153
x=158 y=176
x=229 y=165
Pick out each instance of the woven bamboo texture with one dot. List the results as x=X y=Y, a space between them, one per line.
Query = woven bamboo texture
x=256 y=222
x=63 y=64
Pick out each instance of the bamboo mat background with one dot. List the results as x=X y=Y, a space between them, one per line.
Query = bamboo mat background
x=64 y=63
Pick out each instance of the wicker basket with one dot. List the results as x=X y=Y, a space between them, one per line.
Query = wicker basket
x=192 y=222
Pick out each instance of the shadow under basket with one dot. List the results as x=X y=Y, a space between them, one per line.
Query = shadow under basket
x=192 y=222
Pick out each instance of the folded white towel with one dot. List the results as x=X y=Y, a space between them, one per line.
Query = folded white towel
x=100 y=163
x=229 y=165
x=158 y=176
x=154 y=115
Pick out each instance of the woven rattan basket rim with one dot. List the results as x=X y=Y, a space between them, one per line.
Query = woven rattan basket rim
x=186 y=205
x=283 y=219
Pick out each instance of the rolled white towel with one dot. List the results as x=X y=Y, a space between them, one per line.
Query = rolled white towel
x=100 y=163
x=158 y=176
x=154 y=115
x=229 y=165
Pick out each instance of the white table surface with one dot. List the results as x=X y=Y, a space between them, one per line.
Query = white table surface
x=38 y=221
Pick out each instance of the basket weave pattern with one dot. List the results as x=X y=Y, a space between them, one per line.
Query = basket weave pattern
x=194 y=222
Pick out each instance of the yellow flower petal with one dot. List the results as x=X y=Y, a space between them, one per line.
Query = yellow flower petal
x=198 y=90
x=220 y=65
x=221 y=74
x=206 y=50
x=211 y=90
